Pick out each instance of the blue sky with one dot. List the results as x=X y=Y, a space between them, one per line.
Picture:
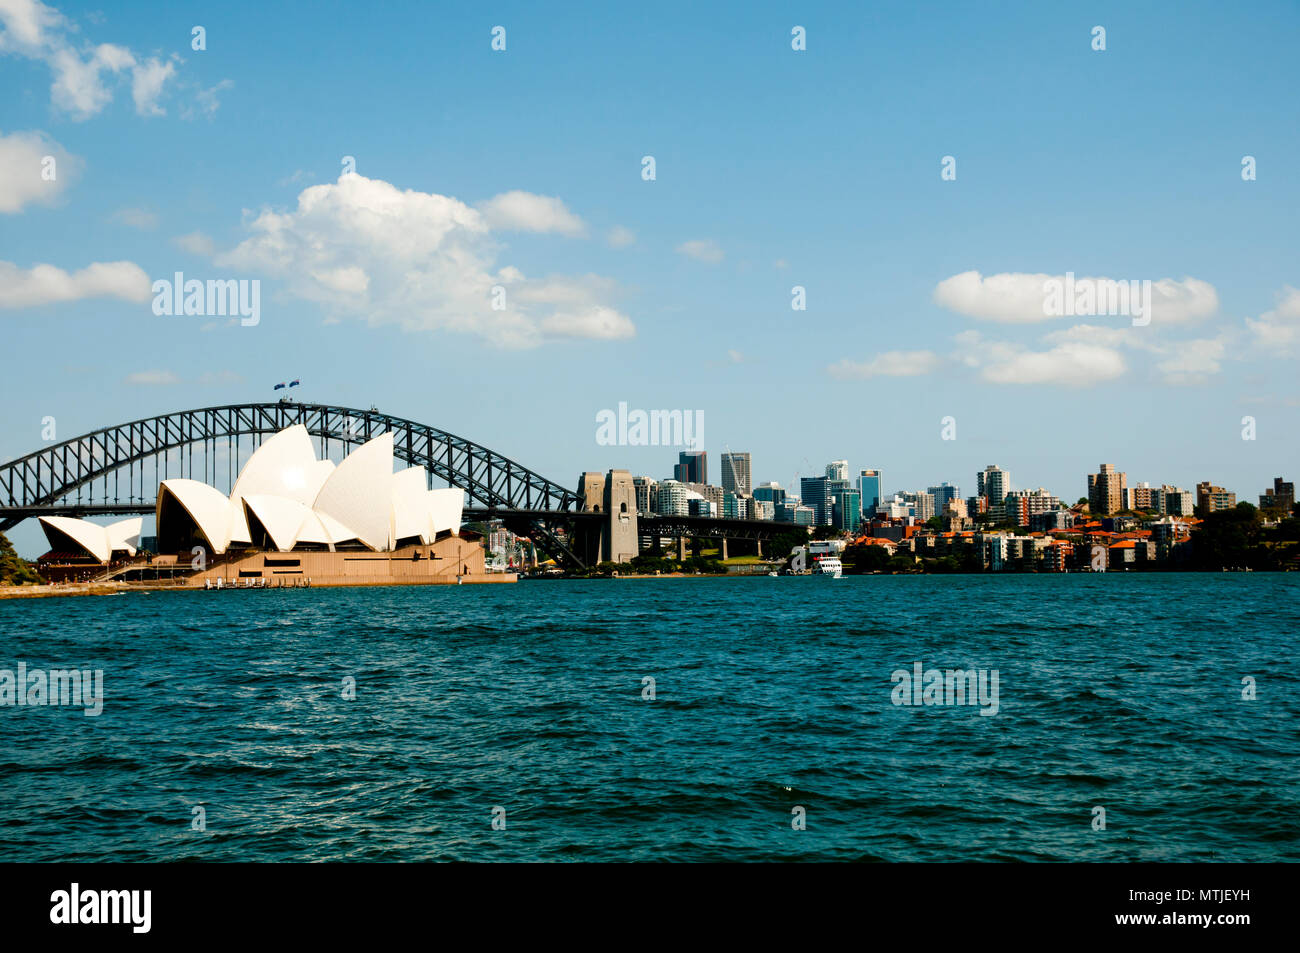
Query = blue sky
x=774 y=168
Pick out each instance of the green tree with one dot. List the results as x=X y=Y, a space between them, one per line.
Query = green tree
x=15 y=571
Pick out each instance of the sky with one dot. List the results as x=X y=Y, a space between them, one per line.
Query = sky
x=496 y=261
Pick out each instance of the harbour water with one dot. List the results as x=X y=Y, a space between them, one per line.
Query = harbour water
x=772 y=704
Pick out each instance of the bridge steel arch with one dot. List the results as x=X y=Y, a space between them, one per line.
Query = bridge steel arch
x=34 y=484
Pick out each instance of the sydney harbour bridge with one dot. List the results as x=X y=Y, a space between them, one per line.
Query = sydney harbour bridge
x=115 y=471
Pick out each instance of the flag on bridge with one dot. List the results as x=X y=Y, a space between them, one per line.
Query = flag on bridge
x=278 y=386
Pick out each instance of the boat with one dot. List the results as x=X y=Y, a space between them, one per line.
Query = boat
x=773 y=573
x=828 y=566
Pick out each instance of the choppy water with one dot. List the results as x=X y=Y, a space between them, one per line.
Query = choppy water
x=1116 y=691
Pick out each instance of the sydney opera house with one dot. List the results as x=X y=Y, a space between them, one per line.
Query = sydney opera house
x=292 y=519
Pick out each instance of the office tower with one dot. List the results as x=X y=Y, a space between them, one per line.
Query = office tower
x=869 y=488
x=837 y=470
x=942 y=494
x=846 y=509
x=692 y=467
x=992 y=483
x=1106 y=490
x=736 y=473
x=815 y=492
x=770 y=493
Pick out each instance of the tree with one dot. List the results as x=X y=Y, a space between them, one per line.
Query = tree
x=14 y=571
x=865 y=557
x=1230 y=539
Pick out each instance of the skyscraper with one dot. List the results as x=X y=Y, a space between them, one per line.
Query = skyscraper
x=942 y=494
x=992 y=483
x=1106 y=490
x=736 y=473
x=869 y=487
x=815 y=492
x=837 y=470
x=846 y=509
x=692 y=467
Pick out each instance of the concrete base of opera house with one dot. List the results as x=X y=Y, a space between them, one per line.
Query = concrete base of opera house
x=448 y=561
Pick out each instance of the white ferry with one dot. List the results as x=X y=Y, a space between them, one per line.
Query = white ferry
x=828 y=566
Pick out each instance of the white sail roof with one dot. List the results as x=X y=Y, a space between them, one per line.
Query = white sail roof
x=282 y=517
x=89 y=536
x=285 y=465
x=445 y=508
x=125 y=534
x=358 y=493
x=411 y=513
x=207 y=506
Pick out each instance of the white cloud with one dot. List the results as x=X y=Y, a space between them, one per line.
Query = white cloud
x=363 y=247
x=620 y=237
x=1278 y=331
x=136 y=217
x=735 y=357
x=46 y=284
x=1191 y=362
x=152 y=378
x=888 y=364
x=1019 y=298
x=1096 y=335
x=701 y=249
x=83 y=72
x=79 y=86
x=520 y=211
x=206 y=102
x=22 y=159
x=597 y=322
x=1070 y=364
x=196 y=243
x=147 y=81
x=28 y=26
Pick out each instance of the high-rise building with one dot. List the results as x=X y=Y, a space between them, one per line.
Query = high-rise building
x=869 y=488
x=1140 y=498
x=846 y=509
x=1173 y=501
x=942 y=494
x=992 y=483
x=921 y=504
x=769 y=493
x=673 y=498
x=646 y=491
x=692 y=467
x=1212 y=498
x=1106 y=490
x=837 y=470
x=1023 y=505
x=815 y=492
x=1279 y=499
x=736 y=473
